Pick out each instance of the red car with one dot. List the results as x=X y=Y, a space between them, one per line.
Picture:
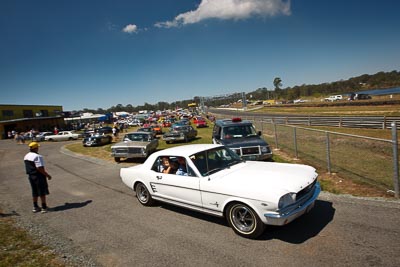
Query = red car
x=200 y=122
x=156 y=128
x=166 y=123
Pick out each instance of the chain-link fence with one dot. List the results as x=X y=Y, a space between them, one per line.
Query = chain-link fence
x=368 y=160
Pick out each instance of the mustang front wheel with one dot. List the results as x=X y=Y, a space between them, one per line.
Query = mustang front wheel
x=244 y=221
x=143 y=195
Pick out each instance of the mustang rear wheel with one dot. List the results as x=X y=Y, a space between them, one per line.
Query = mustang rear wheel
x=244 y=221
x=143 y=195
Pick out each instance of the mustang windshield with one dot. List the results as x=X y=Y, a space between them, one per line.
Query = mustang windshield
x=214 y=160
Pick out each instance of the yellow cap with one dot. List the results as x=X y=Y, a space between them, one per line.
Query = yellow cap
x=33 y=145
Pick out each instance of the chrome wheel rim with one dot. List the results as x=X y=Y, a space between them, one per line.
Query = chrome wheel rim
x=142 y=193
x=243 y=219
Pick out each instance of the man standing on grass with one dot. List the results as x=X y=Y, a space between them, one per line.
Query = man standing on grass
x=34 y=166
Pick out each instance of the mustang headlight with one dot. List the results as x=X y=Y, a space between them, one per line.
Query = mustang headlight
x=264 y=149
x=287 y=200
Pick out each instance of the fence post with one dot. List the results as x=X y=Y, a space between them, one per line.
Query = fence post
x=262 y=125
x=328 y=152
x=384 y=123
x=395 y=160
x=295 y=142
x=276 y=137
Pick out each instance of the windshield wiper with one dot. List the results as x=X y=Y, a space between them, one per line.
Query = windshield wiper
x=213 y=171
x=227 y=166
x=233 y=163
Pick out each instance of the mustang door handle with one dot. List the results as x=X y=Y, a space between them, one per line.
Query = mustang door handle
x=158 y=177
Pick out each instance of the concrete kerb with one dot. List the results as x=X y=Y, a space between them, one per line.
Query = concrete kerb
x=87 y=158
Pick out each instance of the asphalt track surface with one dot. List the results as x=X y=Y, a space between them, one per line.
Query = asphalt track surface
x=97 y=216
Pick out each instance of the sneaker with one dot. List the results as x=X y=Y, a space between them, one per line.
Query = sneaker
x=36 y=209
x=44 y=210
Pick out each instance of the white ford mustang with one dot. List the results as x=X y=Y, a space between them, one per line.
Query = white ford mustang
x=213 y=179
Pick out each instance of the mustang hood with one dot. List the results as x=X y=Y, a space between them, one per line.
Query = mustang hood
x=253 y=179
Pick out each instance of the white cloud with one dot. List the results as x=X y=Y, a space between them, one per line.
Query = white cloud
x=229 y=9
x=130 y=28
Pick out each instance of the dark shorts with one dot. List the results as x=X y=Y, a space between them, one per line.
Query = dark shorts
x=38 y=185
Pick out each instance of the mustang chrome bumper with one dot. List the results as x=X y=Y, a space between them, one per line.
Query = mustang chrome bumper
x=282 y=219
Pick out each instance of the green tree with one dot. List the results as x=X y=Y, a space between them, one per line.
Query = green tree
x=277 y=85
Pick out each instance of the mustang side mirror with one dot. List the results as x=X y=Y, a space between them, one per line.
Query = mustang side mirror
x=259 y=133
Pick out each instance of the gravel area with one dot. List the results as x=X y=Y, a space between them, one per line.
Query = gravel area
x=67 y=252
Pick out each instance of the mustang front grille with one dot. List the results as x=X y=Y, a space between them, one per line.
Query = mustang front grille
x=306 y=190
x=301 y=197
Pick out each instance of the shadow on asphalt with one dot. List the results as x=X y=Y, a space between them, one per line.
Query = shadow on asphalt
x=13 y=213
x=297 y=232
x=68 y=206
x=305 y=227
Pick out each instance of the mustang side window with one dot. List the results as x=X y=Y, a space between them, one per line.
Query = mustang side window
x=199 y=160
x=155 y=166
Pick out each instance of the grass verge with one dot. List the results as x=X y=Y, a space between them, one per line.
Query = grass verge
x=17 y=248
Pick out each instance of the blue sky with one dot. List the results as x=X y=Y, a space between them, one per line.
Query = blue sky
x=100 y=53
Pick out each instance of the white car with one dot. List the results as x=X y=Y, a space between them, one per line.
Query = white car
x=333 y=98
x=135 y=123
x=249 y=194
x=62 y=136
x=41 y=136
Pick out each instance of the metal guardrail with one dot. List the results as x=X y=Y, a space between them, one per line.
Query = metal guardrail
x=371 y=122
x=381 y=122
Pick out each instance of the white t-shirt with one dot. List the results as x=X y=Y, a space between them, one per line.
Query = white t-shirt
x=36 y=158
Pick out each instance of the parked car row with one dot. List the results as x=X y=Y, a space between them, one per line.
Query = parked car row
x=240 y=136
